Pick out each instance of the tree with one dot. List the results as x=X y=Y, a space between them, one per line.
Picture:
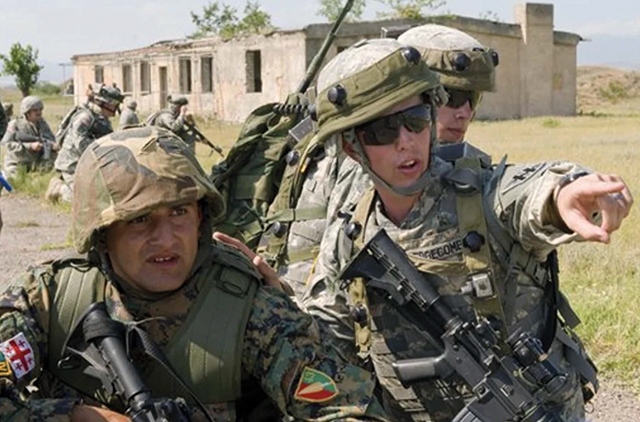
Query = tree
x=410 y=9
x=21 y=63
x=331 y=9
x=221 y=19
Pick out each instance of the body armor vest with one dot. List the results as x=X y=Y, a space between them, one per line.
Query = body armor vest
x=381 y=336
x=206 y=349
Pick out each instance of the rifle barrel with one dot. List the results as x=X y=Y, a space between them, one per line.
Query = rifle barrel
x=317 y=60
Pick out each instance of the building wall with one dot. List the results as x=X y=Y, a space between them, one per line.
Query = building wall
x=536 y=75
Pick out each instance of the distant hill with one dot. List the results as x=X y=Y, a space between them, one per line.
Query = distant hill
x=600 y=88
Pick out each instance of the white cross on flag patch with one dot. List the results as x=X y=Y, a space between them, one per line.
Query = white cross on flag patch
x=19 y=353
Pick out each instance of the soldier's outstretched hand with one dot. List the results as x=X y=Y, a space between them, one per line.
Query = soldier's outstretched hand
x=267 y=272
x=579 y=201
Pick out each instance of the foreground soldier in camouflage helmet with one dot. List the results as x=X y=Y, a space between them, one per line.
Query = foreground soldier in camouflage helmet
x=29 y=140
x=129 y=116
x=81 y=127
x=142 y=212
x=174 y=119
x=500 y=223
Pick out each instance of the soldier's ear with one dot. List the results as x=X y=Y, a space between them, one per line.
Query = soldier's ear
x=347 y=147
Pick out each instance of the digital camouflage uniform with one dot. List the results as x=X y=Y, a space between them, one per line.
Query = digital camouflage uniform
x=513 y=206
x=129 y=116
x=84 y=126
x=18 y=152
x=298 y=215
x=171 y=119
x=234 y=341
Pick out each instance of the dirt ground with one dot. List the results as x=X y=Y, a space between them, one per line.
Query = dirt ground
x=34 y=233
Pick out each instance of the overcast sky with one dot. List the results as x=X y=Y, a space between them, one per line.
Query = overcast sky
x=62 y=28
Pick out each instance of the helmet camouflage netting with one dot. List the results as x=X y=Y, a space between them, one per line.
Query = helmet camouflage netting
x=131 y=172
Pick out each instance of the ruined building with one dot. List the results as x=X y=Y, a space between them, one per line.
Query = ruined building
x=228 y=79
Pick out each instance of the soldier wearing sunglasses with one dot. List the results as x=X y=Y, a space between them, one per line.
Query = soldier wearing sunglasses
x=466 y=69
x=464 y=222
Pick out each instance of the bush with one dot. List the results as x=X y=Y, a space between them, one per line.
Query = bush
x=551 y=122
x=44 y=88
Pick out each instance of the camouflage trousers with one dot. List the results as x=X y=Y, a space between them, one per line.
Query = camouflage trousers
x=60 y=188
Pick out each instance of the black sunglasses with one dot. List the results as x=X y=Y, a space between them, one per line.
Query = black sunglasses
x=386 y=129
x=459 y=97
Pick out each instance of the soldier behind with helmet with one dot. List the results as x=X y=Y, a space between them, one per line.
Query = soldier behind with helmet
x=142 y=214
x=466 y=70
x=29 y=140
x=175 y=119
x=129 y=116
x=498 y=224
x=79 y=129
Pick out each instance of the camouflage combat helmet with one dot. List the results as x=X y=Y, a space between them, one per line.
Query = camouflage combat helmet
x=129 y=173
x=107 y=96
x=30 y=103
x=363 y=82
x=462 y=62
x=177 y=101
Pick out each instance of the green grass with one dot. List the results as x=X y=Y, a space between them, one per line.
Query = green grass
x=600 y=280
x=26 y=224
x=551 y=122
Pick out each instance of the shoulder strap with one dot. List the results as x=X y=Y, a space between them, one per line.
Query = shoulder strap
x=467 y=181
x=357 y=288
x=75 y=289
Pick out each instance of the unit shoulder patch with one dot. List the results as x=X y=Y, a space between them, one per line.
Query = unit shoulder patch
x=523 y=174
x=315 y=387
x=19 y=353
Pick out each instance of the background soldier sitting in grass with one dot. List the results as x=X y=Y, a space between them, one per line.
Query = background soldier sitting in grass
x=29 y=140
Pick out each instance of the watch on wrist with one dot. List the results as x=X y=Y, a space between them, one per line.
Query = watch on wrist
x=572 y=177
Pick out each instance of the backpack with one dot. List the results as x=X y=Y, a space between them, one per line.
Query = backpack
x=249 y=177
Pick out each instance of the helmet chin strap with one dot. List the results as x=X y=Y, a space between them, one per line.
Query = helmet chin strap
x=418 y=186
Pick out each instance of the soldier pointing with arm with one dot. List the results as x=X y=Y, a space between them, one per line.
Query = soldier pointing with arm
x=488 y=232
x=143 y=209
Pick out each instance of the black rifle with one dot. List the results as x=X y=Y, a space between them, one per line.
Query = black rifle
x=100 y=341
x=200 y=136
x=509 y=380
x=47 y=144
x=317 y=60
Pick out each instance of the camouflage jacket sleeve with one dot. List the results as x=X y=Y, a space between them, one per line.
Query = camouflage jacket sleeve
x=23 y=353
x=307 y=380
x=524 y=201
x=324 y=300
x=80 y=132
x=9 y=139
x=167 y=121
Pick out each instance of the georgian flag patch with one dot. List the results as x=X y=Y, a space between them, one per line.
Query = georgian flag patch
x=19 y=353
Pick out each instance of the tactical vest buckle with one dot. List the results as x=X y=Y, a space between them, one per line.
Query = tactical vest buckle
x=479 y=285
